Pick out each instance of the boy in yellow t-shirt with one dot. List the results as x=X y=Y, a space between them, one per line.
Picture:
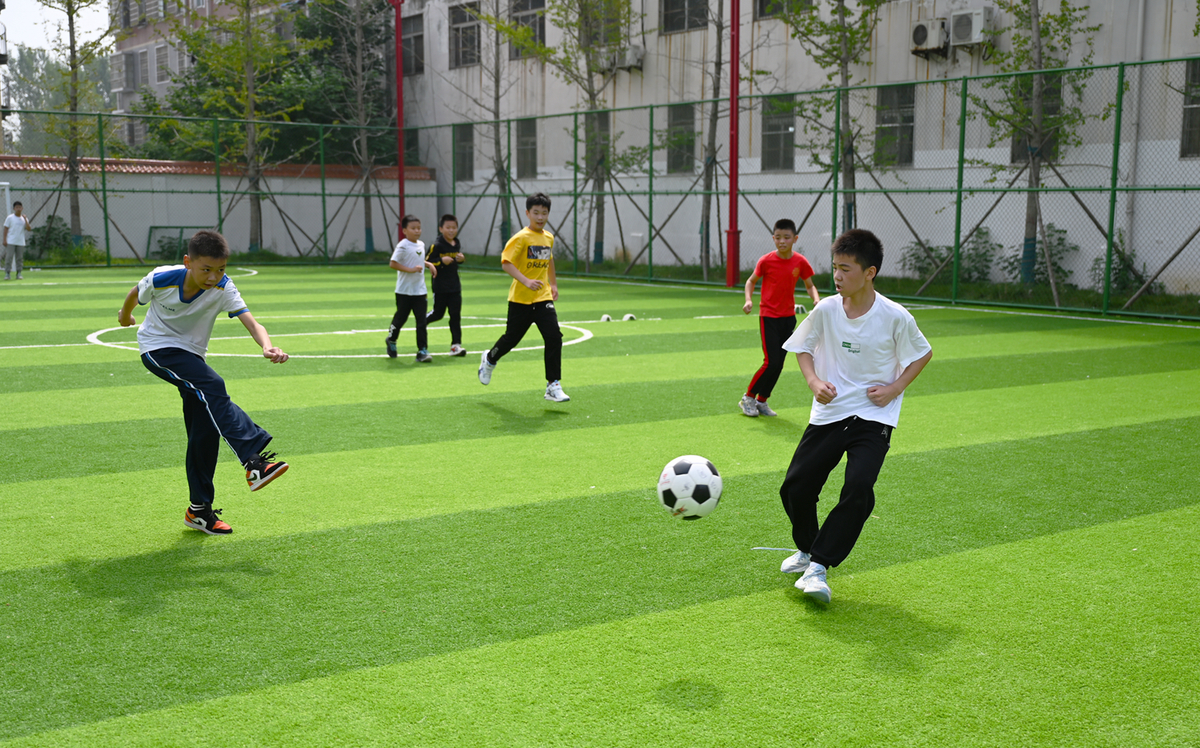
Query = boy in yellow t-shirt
x=529 y=259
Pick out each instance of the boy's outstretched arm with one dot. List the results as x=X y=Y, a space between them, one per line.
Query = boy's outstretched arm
x=750 y=283
x=881 y=396
x=125 y=314
x=259 y=333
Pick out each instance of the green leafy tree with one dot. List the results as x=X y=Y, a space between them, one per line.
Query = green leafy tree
x=77 y=51
x=1042 y=110
x=836 y=35
x=594 y=32
x=244 y=70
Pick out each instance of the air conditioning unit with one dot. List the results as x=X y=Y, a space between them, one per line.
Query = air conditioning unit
x=969 y=28
x=622 y=59
x=930 y=37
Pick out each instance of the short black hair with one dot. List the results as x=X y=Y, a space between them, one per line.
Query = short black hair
x=784 y=224
x=18 y=202
x=208 y=243
x=446 y=219
x=863 y=246
x=536 y=199
x=407 y=219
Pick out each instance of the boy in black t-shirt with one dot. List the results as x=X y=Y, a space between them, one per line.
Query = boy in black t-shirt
x=446 y=253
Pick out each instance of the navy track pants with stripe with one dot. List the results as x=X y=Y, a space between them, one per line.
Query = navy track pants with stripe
x=208 y=415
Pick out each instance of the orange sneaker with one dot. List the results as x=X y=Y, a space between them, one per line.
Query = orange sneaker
x=261 y=470
x=206 y=520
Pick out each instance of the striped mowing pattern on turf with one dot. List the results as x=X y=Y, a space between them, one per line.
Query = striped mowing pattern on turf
x=448 y=564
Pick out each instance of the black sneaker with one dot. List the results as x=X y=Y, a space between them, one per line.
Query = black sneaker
x=262 y=469
x=206 y=520
x=391 y=347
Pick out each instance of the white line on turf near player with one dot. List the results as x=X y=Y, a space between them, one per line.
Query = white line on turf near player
x=94 y=339
x=764 y=548
x=249 y=273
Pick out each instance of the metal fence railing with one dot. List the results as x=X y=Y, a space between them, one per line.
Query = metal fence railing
x=940 y=171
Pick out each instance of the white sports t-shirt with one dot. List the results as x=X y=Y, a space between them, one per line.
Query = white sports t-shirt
x=410 y=254
x=856 y=354
x=174 y=322
x=16 y=229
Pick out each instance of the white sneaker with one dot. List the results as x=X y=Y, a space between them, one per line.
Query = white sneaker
x=796 y=563
x=813 y=583
x=457 y=350
x=554 y=393
x=764 y=409
x=749 y=406
x=485 y=369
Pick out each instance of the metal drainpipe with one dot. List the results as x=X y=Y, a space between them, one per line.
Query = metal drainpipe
x=1135 y=129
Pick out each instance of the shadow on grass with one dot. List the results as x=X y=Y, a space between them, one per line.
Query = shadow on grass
x=143 y=584
x=531 y=422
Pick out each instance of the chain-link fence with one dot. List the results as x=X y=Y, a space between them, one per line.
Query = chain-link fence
x=1071 y=188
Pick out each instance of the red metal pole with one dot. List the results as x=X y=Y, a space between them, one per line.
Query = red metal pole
x=399 y=107
x=732 y=251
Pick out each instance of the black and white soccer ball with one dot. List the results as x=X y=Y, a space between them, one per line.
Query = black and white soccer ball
x=689 y=487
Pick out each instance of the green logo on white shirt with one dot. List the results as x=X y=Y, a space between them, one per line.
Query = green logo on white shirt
x=852 y=347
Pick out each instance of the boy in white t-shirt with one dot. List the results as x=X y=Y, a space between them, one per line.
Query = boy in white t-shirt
x=16 y=228
x=409 y=263
x=858 y=352
x=184 y=301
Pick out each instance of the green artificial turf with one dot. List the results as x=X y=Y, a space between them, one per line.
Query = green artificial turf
x=448 y=564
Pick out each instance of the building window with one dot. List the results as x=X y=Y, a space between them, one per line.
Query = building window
x=162 y=64
x=1189 y=139
x=779 y=133
x=464 y=153
x=413 y=42
x=412 y=148
x=464 y=35
x=894 y=114
x=1051 y=103
x=772 y=8
x=527 y=148
x=143 y=67
x=529 y=14
x=682 y=15
x=199 y=4
x=681 y=139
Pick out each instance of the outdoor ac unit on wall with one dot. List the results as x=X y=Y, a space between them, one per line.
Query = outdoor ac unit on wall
x=969 y=28
x=930 y=37
x=625 y=59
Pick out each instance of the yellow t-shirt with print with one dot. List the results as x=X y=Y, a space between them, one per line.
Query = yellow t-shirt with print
x=530 y=252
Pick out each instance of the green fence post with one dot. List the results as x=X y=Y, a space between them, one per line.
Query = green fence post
x=324 y=216
x=575 y=195
x=962 y=145
x=103 y=188
x=1112 y=194
x=217 y=171
x=650 y=207
x=837 y=165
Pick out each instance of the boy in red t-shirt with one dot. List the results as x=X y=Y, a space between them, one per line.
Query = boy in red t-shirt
x=780 y=270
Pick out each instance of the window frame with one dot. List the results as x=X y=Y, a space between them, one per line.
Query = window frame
x=777 y=141
x=692 y=15
x=412 y=147
x=681 y=151
x=464 y=55
x=1189 y=147
x=413 y=44
x=1051 y=106
x=532 y=17
x=527 y=148
x=143 y=68
x=898 y=117
x=464 y=153
x=162 y=64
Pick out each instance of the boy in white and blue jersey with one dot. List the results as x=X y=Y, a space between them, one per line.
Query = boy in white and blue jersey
x=183 y=303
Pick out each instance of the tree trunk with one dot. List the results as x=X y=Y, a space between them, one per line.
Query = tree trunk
x=364 y=152
x=73 y=131
x=499 y=153
x=850 y=218
x=1036 y=138
x=597 y=155
x=253 y=170
x=710 y=146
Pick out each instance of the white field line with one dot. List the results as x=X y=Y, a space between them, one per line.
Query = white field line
x=94 y=339
x=249 y=273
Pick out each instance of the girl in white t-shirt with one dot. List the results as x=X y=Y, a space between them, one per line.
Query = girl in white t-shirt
x=858 y=352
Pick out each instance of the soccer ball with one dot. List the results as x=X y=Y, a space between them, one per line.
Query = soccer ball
x=689 y=487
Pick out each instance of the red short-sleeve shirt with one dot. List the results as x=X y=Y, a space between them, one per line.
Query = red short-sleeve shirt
x=779 y=279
